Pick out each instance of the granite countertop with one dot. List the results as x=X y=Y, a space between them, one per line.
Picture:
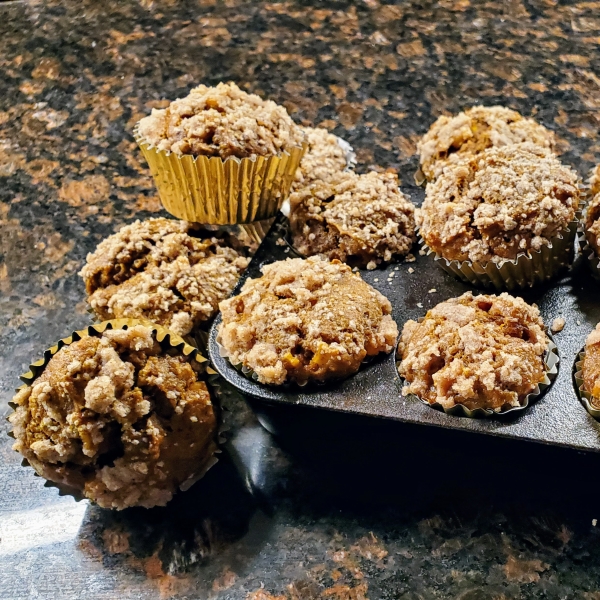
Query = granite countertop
x=405 y=516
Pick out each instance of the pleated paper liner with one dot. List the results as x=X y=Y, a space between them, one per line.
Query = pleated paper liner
x=526 y=270
x=350 y=164
x=591 y=404
x=166 y=339
x=551 y=361
x=212 y=190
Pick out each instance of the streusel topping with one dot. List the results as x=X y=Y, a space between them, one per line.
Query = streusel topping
x=472 y=131
x=478 y=351
x=306 y=320
x=221 y=121
x=156 y=270
x=591 y=366
x=323 y=159
x=592 y=223
x=359 y=219
x=595 y=181
x=496 y=205
x=117 y=418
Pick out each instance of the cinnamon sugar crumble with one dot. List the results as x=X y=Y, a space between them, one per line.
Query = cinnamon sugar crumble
x=117 y=418
x=474 y=130
x=362 y=220
x=591 y=366
x=496 y=205
x=478 y=351
x=306 y=320
x=221 y=121
x=156 y=270
x=324 y=157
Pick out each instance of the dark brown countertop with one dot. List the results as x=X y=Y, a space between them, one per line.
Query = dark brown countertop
x=412 y=519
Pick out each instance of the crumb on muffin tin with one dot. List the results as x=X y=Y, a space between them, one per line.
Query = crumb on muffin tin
x=359 y=219
x=478 y=351
x=306 y=320
x=498 y=204
x=117 y=418
x=156 y=270
x=221 y=121
x=474 y=130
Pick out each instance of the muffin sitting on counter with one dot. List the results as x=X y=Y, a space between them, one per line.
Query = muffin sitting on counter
x=117 y=417
x=477 y=351
x=157 y=270
x=362 y=220
x=305 y=321
x=470 y=132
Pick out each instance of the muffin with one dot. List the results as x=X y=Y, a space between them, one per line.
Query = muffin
x=592 y=224
x=325 y=156
x=505 y=204
x=362 y=220
x=157 y=270
x=590 y=369
x=595 y=181
x=221 y=155
x=117 y=416
x=305 y=320
x=474 y=130
x=481 y=352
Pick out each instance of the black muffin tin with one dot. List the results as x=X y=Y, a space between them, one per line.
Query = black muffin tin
x=557 y=418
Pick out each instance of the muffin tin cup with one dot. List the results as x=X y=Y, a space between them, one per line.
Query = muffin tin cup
x=586 y=398
x=218 y=191
x=526 y=270
x=166 y=339
x=551 y=361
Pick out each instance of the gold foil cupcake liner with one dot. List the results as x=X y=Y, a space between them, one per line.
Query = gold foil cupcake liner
x=526 y=270
x=212 y=190
x=591 y=404
x=551 y=362
x=165 y=338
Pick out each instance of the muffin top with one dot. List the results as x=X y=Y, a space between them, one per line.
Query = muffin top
x=221 y=121
x=478 y=351
x=361 y=220
x=591 y=366
x=306 y=320
x=474 y=130
x=156 y=270
x=595 y=181
x=323 y=158
x=498 y=204
x=118 y=418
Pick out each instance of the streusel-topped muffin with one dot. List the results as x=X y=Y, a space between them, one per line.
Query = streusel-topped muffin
x=595 y=181
x=479 y=351
x=591 y=367
x=221 y=121
x=306 y=320
x=499 y=204
x=157 y=270
x=117 y=417
x=474 y=130
x=362 y=220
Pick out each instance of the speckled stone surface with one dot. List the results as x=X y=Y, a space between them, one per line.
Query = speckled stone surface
x=422 y=517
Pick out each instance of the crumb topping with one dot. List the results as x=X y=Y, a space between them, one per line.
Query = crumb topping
x=499 y=204
x=306 y=320
x=478 y=351
x=591 y=366
x=592 y=223
x=358 y=219
x=595 y=181
x=221 y=121
x=323 y=158
x=156 y=270
x=472 y=131
x=118 y=418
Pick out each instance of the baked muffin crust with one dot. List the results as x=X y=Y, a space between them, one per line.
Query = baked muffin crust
x=362 y=220
x=117 y=418
x=306 y=320
x=221 y=121
x=595 y=181
x=591 y=366
x=474 y=130
x=478 y=351
x=498 y=204
x=324 y=158
x=156 y=270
